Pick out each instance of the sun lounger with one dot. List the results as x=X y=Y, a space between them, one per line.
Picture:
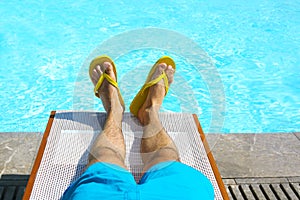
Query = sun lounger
x=69 y=135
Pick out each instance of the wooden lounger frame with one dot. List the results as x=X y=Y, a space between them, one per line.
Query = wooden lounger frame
x=211 y=160
x=38 y=159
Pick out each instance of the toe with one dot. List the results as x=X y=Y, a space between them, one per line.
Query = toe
x=162 y=66
x=170 y=73
x=159 y=70
x=95 y=76
x=108 y=68
x=105 y=66
x=98 y=69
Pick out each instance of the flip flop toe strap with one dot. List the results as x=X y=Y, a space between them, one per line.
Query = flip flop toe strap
x=156 y=80
x=100 y=81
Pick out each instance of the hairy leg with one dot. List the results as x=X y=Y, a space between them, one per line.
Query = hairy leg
x=156 y=144
x=109 y=146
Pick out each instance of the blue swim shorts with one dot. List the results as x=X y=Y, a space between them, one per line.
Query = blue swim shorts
x=166 y=180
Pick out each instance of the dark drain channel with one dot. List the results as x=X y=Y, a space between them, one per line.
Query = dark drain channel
x=276 y=191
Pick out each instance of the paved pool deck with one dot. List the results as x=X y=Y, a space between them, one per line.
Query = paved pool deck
x=254 y=160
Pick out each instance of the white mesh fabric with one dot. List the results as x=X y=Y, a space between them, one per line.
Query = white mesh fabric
x=72 y=134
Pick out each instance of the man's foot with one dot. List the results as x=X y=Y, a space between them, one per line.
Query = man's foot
x=108 y=93
x=156 y=93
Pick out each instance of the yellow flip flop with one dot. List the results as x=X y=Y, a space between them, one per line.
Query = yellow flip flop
x=99 y=61
x=141 y=96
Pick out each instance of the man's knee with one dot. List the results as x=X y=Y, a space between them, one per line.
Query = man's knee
x=161 y=155
x=106 y=154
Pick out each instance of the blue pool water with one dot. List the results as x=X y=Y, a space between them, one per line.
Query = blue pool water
x=242 y=76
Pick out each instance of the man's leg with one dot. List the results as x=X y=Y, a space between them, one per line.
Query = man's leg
x=176 y=181
x=156 y=144
x=109 y=146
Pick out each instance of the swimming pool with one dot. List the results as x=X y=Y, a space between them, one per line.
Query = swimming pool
x=252 y=47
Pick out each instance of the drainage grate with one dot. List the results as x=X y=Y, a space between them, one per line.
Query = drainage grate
x=12 y=187
x=275 y=191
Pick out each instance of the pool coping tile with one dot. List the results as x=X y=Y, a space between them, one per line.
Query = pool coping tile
x=256 y=155
x=18 y=152
x=297 y=134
